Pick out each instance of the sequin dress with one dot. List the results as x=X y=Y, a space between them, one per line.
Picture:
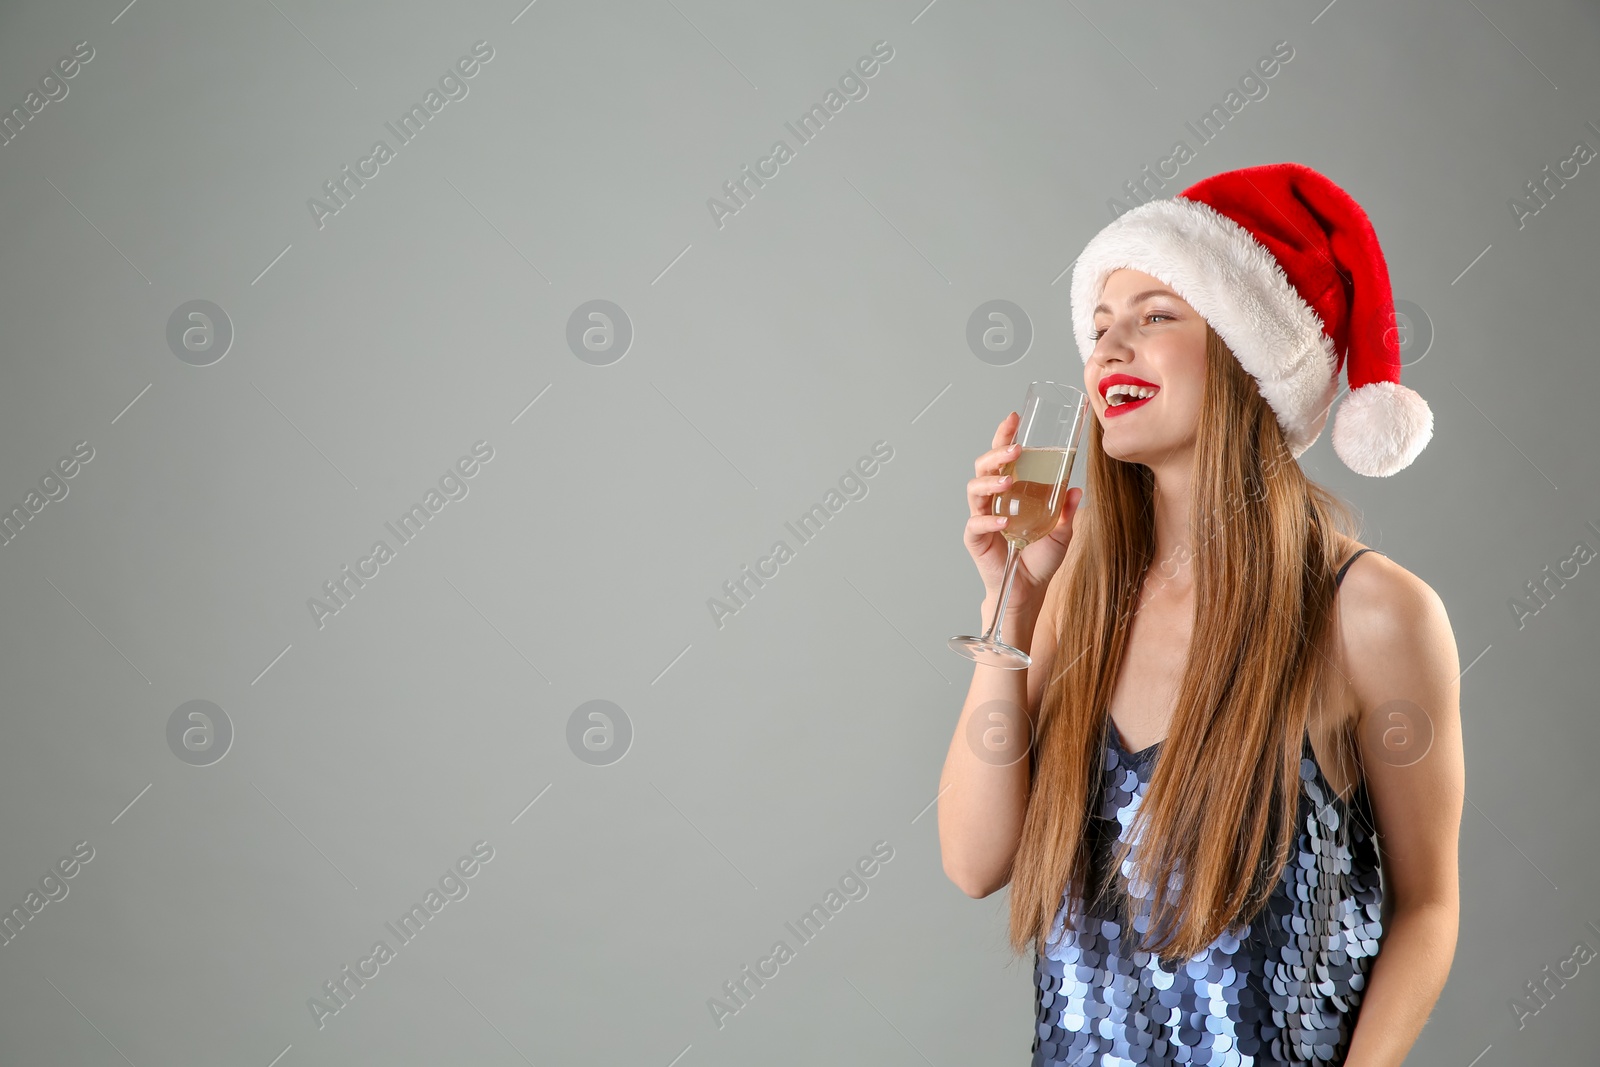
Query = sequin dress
x=1285 y=990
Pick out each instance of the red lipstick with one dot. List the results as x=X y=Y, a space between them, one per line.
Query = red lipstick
x=1128 y=405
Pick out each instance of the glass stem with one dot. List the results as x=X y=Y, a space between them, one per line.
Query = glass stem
x=993 y=636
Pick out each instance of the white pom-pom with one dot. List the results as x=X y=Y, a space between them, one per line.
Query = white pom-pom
x=1380 y=428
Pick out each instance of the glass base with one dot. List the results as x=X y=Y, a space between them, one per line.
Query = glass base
x=991 y=653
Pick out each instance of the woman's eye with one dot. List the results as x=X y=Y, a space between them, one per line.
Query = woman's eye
x=1096 y=335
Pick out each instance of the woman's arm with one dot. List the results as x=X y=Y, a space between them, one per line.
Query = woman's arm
x=983 y=789
x=1400 y=659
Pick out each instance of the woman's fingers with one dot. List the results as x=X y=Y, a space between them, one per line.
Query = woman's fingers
x=1062 y=534
x=1003 y=432
x=981 y=526
x=981 y=491
x=986 y=468
x=1001 y=451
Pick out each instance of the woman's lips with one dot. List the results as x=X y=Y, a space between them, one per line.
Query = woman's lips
x=1127 y=406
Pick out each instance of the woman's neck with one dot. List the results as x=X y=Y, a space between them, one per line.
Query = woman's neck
x=1174 y=543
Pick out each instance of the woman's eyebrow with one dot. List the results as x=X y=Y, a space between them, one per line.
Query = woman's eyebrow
x=1136 y=299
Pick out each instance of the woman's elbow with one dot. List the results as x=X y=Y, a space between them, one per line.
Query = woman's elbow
x=976 y=885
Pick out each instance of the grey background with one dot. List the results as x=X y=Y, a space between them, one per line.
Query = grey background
x=769 y=754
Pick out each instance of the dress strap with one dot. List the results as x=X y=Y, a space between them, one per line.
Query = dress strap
x=1352 y=559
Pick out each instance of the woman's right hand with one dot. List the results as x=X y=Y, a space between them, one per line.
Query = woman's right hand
x=986 y=543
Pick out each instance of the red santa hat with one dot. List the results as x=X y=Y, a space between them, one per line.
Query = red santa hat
x=1286 y=268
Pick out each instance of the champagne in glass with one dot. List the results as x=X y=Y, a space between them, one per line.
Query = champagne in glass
x=1052 y=420
x=1033 y=499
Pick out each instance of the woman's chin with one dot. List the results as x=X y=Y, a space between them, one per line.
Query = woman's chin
x=1139 y=451
x=1123 y=451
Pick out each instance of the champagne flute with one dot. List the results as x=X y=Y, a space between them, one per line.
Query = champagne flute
x=1052 y=419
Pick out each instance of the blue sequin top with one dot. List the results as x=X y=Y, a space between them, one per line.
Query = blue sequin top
x=1284 y=990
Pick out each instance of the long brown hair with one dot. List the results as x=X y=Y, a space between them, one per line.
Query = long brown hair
x=1220 y=807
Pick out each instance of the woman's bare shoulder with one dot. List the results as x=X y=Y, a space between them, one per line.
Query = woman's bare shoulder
x=1376 y=580
x=1388 y=614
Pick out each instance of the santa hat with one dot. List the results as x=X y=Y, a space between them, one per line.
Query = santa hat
x=1286 y=268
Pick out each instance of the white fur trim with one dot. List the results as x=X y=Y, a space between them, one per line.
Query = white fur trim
x=1238 y=286
x=1380 y=428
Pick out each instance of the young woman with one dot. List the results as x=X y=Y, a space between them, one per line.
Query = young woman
x=1226 y=795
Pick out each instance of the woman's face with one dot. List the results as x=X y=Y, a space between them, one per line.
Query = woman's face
x=1146 y=336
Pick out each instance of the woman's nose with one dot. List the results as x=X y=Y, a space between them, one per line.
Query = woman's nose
x=1110 y=348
